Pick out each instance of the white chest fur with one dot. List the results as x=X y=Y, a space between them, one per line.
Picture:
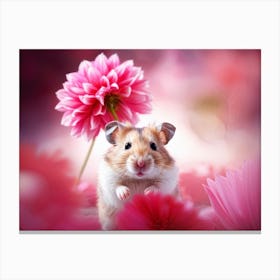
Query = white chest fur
x=165 y=180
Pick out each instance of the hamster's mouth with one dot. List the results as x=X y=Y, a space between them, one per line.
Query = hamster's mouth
x=140 y=174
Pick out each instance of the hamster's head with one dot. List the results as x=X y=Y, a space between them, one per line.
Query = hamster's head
x=139 y=152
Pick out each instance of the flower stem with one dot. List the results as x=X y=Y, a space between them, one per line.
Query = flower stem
x=115 y=116
x=85 y=162
x=113 y=111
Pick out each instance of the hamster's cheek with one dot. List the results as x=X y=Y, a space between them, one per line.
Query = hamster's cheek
x=152 y=172
x=130 y=167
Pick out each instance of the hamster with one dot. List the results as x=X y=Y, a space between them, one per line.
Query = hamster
x=137 y=162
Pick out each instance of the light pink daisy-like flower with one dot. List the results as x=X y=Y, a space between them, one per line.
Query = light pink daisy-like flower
x=236 y=198
x=101 y=91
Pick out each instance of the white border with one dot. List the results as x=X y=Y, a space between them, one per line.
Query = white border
x=135 y=24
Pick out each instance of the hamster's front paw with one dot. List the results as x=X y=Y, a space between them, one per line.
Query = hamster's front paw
x=122 y=192
x=151 y=189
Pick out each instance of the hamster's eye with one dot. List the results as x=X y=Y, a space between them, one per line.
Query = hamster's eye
x=127 y=145
x=153 y=146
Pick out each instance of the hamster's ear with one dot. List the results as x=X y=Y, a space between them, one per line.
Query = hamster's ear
x=166 y=132
x=111 y=129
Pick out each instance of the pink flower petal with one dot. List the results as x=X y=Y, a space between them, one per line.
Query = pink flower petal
x=234 y=198
x=66 y=119
x=87 y=99
x=124 y=113
x=104 y=82
x=125 y=91
x=131 y=79
x=75 y=78
x=98 y=109
x=83 y=67
x=81 y=109
x=94 y=76
x=136 y=98
x=59 y=107
x=76 y=131
x=72 y=89
x=61 y=94
x=70 y=103
x=114 y=87
x=113 y=61
x=100 y=94
x=101 y=64
x=123 y=68
x=112 y=76
x=88 y=88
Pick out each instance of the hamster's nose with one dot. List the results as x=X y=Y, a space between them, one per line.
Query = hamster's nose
x=140 y=163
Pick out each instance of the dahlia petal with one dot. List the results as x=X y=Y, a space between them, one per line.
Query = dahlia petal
x=142 y=108
x=122 y=68
x=92 y=122
x=125 y=91
x=100 y=94
x=113 y=61
x=131 y=79
x=59 y=107
x=107 y=117
x=76 y=131
x=124 y=113
x=77 y=90
x=70 y=103
x=75 y=121
x=66 y=119
x=137 y=98
x=95 y=123
x=88 y=131
x=112 y=76
x=72 y=89
x=67 y=88
x=72 y=77
x=94 y=75
x=83 y=67
x=85 y=128
x=87 y=99
x=98 y=109
x=101 y=63
x=114 y=87
x=82 y=109
x=104 y=82
x=128 y=63
x=141 y=85
x=88 y=88
x=61 y=94
x=140 y=91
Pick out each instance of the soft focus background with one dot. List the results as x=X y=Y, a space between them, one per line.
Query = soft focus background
x=213 y=97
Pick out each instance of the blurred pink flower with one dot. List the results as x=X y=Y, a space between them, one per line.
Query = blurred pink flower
x=208 y=214
x=48 y=200
x=191 y=185
x=159 y=212
x=236 y=198
x=101 y=91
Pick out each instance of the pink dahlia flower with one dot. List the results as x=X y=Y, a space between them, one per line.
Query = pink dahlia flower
x=236 y=198
x=159 y=212
x=101 y=91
